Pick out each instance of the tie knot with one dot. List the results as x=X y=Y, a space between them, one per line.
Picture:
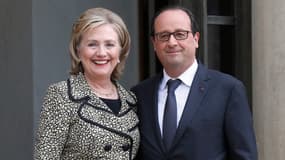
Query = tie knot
x=173 y=84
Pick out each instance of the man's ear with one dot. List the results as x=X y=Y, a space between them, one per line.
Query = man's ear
x=153 y=42
x=196 y=39
x=197 y=36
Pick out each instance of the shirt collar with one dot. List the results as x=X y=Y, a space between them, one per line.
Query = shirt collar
x=186 y=77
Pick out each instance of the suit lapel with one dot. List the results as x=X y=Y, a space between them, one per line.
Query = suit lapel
x=149 y=117
x=158 y=136
x=198 y=90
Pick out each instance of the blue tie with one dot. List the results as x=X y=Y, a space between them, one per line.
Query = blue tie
x=170 y=114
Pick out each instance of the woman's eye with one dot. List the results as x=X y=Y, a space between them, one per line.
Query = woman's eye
x=109 y=45
x=92 y=45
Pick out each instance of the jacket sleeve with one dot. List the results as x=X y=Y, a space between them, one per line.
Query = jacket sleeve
x=239 y=126
x=53 y=126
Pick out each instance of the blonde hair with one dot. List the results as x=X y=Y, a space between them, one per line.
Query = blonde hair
x=93 y=18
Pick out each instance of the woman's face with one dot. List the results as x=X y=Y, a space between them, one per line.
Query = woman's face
x=99 y=51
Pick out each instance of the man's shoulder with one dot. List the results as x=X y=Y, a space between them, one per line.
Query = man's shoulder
x=219 y=77
x=216 y=76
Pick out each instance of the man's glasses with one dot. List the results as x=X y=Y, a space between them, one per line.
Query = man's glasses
x=178 y=35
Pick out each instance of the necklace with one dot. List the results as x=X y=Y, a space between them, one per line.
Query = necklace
x=112 y=93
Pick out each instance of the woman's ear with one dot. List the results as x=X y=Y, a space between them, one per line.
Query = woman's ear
x=77 y=52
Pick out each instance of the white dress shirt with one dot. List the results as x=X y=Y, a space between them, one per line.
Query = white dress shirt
x=181 y=92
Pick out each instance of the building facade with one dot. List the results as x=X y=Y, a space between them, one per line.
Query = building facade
x=240 y=37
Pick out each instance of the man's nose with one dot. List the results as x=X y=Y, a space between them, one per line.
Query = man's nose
x=172 y=39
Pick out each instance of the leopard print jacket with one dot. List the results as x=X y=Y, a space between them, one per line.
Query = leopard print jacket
x=76 y=124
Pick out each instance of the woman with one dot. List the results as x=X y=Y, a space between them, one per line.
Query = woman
x=91 y=116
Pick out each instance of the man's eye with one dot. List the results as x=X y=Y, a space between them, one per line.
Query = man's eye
x=179 y=34
x=164 y=35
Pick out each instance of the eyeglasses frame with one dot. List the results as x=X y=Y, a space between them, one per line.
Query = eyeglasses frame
x=172 y=33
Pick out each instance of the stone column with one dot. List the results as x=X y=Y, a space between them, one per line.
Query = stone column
x=268 y=30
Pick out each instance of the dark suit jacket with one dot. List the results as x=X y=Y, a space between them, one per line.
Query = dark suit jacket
x=216 y=123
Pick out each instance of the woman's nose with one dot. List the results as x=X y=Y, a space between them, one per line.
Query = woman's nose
x=101 y=51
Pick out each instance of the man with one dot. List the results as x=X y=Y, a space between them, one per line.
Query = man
x=212 y=118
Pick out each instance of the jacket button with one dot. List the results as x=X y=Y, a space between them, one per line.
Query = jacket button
x=126 y=147
x=107 y=147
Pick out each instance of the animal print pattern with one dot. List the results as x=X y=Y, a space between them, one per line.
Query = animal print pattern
x=76 y=124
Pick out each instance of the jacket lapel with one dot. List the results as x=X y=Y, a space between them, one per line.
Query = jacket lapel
x=90 y=104
x=198 y=90
x=152 y=129
x=79 y=90
x=155 y=112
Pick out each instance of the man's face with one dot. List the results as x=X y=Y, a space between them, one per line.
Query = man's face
x=175 y=55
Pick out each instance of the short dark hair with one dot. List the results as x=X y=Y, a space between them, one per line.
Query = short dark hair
x=194 y=25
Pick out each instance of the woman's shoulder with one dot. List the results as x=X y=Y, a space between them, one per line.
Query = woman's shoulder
x=62 y=86
x=129 y=95
x=57 y=87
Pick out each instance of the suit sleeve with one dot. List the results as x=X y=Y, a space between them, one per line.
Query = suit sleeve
x=239 y=126
x=53 y=126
